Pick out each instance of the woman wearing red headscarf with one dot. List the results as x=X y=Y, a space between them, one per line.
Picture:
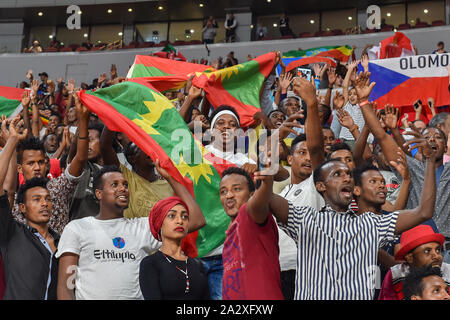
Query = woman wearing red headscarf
x=169 y=274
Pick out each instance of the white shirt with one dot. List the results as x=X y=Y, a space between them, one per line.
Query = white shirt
x=304 y=194
x=110 y=252
x=239 y=159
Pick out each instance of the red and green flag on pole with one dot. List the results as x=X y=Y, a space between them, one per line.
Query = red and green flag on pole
x=10 y=100
x=238 y=86
x=164 y=74
x=341 y=53
x=151 y=121
x=149 y=66
x=170 y=52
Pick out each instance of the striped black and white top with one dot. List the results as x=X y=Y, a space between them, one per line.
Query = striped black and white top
x=337 y=251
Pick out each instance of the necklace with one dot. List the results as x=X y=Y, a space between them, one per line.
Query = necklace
x=181 y=270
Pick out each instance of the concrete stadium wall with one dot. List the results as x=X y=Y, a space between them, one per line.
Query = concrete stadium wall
x=84 y=67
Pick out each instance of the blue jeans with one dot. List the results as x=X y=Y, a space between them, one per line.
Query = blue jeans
x=214 y=270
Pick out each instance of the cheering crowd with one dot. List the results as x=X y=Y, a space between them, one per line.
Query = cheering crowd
x=355 y=192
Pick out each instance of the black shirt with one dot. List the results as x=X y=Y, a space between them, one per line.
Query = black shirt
x=26 y=260
x=161 y=280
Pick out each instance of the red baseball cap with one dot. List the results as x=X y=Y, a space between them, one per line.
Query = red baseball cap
x=415 y=237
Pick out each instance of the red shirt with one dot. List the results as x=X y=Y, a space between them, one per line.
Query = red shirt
x=251 y=268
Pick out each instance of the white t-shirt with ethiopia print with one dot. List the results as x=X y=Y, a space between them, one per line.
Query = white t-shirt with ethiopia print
x=110 y=252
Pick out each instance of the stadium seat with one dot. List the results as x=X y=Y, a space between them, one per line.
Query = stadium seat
x=288 y=36
x=404 y=26
x=369 y=31
x=147 y=44
x=387 y=28
x=437 y=23
x=320 y=34
x=179 y=43
x=66 y=49
x=421 y=25
x=74 y=46
x=51 y=49
x=306 y=35
x=96 y=48
x=195 y=42
x=337 y=32
x=131 y=45
x=79 y=49
x=161 y=44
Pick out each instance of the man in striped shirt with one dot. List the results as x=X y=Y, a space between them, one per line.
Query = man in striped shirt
x=337 y=250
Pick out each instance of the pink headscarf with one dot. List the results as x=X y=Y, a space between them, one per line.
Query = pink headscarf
x=159 y=212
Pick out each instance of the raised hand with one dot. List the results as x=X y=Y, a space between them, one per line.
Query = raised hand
x=201 y=118
x=101 y=78
x=189 y=83
x=162 y=172
x=285 y=81
x=70 y=86
x=338 y=101
x=317 y=69
x=113 y=71
x=405 y=120
x=83 y=113
x=363 y=86
x=305 y=90
x=331 y=77
x=4 y=131
x=287 y=127
x=25 y=98
x=391 y=116
x=34 y=86
x=352 y=65
x=401 y=165
x=195 y=92
x=16 y=129
x=345 y=119
x=431 y=105
x=418 y=106
x=425 y=148
x=365 y=61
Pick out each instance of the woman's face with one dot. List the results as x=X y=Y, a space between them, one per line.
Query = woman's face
x=352 y=97
x=72 y=116
x=195 y=113
x=175 y=224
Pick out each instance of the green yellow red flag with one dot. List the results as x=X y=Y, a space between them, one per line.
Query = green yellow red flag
x=151 y=121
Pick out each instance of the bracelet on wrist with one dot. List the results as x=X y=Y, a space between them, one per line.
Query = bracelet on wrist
x=364 y=103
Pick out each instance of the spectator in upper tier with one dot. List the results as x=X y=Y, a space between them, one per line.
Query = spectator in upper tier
x=36 y=47
x=261 y=32
x=284 y=25
x=209 y=32
x=230 y=26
